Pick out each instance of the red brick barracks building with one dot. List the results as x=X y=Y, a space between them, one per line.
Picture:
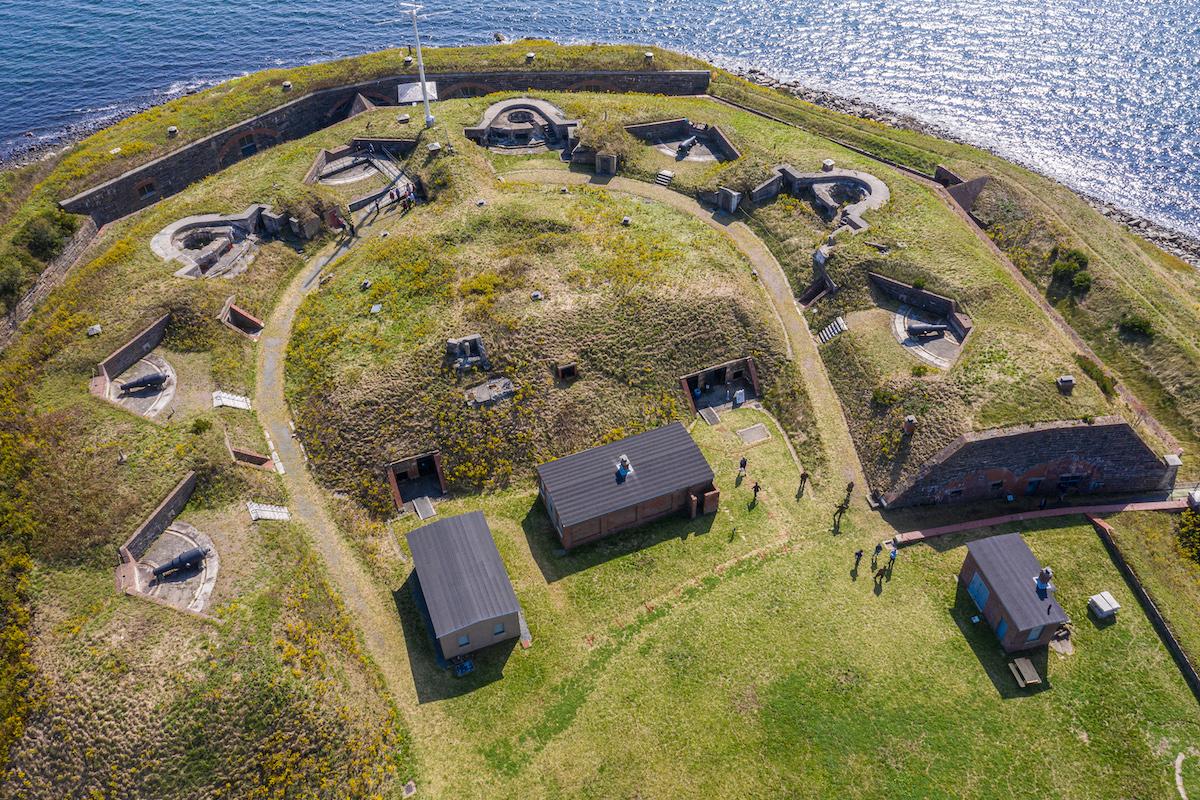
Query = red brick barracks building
x=626 y=483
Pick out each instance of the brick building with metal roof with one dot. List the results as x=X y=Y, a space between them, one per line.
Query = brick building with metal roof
x=597 y=492
x=1001 y=575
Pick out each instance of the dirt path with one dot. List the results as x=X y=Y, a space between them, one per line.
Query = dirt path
x=377 y=620
x=803 y=348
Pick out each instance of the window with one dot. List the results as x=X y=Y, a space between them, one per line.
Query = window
x=247 y=144
x=1032 y=486
x=146 y=189
x=979 y=591
x=498 y=629
x=1001 y=628
x=1035 y=634
x=1069 y=481
x=464 y=640
x=997 y=486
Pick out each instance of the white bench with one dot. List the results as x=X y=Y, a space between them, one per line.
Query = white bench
x=1104 y=605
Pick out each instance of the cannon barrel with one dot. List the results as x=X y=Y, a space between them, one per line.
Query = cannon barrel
x=688 y=143
x=926 y=329
x=146 y=381
x=186 y=559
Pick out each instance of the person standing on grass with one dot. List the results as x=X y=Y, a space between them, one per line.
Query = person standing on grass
x=742 y=466
x=892 y=557
x=857 y=558
x=756 y=490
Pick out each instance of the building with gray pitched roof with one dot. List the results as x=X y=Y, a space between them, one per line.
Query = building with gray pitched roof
x=463 y=584
x=597 y=492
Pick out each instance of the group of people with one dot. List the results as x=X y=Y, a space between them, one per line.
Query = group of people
x=880 y=572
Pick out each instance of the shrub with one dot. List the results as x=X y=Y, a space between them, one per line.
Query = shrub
x=46 y=234
x=920 y=370
x=1188 y=531
x=884 y=396
x=1136 y=324
x=1106 y=382
x=200 y=425
x=1081 y=282
x=919 y=284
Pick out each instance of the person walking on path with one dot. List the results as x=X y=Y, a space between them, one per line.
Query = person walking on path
x=742 y=466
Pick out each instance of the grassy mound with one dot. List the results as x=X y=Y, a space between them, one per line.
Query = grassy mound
x=634 y=307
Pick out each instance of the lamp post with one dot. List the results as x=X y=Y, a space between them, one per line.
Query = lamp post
x=412 y=9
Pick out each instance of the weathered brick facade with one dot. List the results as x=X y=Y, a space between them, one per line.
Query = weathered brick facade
x=1104 y=456
x=175 y=171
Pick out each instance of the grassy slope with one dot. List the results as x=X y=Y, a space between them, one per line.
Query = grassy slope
x=740 y=656
x=1029 y=214
x=1006 y=374
x=279 y=695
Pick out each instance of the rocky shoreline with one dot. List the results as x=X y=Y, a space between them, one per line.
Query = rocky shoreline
x=1175 y=242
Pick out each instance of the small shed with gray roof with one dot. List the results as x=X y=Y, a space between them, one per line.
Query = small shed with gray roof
x=1001 y=575
x=626 y=483
x=463 y=585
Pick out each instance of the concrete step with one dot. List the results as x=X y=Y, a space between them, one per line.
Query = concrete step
x=831 y=330
x=664 y=177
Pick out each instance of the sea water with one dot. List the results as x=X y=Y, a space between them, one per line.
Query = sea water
x=1103 y=95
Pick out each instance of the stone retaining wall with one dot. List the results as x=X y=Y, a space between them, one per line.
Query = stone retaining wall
x=129 y=354
x=1104 y=456
x=136 y=545
x=50 y=277
x=170 y=174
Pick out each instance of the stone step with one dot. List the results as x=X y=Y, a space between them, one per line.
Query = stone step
x=664 y=177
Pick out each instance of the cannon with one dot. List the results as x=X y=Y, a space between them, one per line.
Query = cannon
x=919 y=329
x=687 y=144
x=185 y=560
x=153 y=380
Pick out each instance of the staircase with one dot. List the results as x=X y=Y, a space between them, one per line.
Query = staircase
x=831 y=330
x=664 y=177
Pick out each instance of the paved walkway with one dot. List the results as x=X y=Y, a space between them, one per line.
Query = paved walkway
x=913 y=537
x=827 y=409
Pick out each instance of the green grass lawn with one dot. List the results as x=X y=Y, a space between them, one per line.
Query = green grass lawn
x=1148 y=542
x=741 y=656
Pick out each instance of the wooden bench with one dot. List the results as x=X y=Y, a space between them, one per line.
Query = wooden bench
x=1025 y=673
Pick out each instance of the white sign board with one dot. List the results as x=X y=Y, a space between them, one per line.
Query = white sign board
x=409 y=94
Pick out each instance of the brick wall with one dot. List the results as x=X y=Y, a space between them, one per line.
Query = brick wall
x=1106 y=456
x=175 y=171
x=136 y=545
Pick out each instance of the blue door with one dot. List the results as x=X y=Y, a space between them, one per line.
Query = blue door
x=979 y=591
x=1002 y=629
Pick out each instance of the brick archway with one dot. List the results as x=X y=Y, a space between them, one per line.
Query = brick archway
x=235 y=148
x=465 y=89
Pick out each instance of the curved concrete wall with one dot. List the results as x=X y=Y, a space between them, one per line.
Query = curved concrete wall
x=170 y=174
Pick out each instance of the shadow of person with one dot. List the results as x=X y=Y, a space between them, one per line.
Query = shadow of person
x=741 y=477
x=854 y=573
